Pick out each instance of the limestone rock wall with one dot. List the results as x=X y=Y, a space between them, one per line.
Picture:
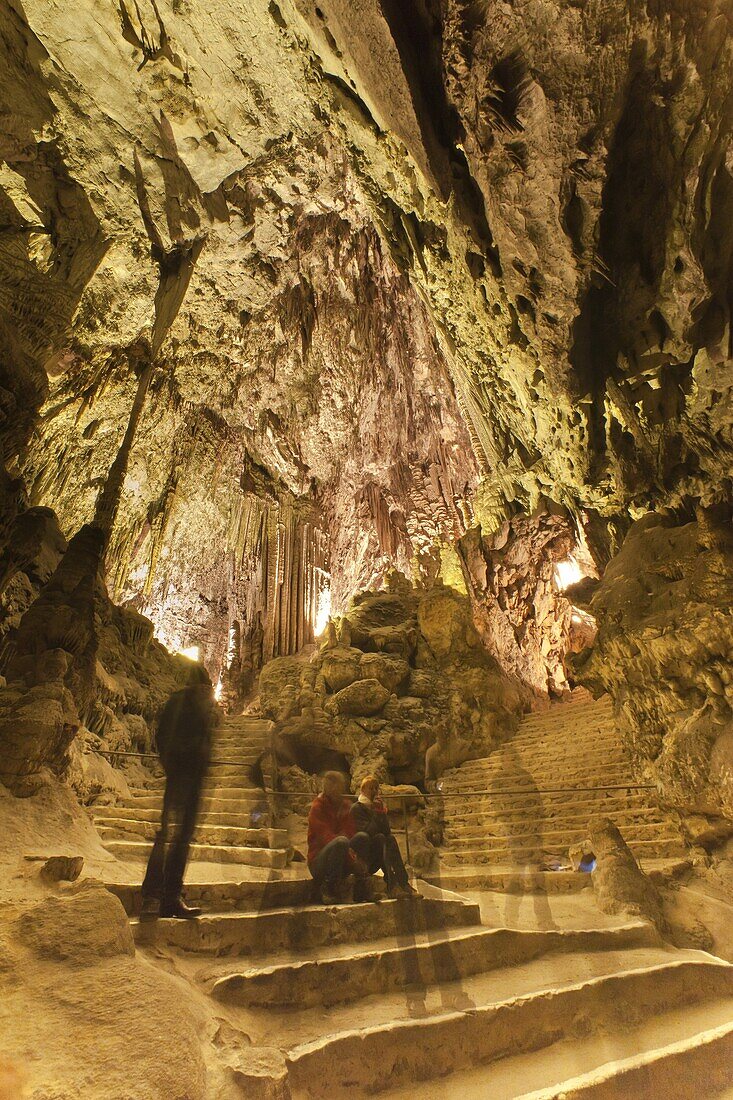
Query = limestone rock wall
x=369 y=274
x=403 y=674
x=663 y=652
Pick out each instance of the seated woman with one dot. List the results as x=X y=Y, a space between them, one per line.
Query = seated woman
x=337 y=852
x=370 y=816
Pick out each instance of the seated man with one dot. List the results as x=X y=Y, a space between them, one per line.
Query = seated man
x=370 y=816
x=335 y=849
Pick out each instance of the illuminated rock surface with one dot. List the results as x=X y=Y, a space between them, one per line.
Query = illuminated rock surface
x=295 y=294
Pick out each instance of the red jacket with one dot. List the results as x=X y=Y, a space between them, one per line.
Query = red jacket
x=326 y=821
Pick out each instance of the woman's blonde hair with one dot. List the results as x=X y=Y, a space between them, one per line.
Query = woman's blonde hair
x=369 y=781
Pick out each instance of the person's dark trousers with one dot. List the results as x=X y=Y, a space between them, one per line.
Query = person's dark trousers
x=167 y=863
x=332 y=864
x=385 y=856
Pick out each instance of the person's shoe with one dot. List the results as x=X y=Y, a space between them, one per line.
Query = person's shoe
x=149 y=910
x=180 y=910
x=329 y=896
x=364 y=891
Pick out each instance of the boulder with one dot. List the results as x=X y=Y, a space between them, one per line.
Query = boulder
x=390 y=669
x=81 y=927
x=444 y=619
x=340 y=667
x=281 y=683
x=620 y=886
x=365 y=697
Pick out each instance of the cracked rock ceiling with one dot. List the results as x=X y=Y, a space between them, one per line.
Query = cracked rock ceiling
x=451 y=259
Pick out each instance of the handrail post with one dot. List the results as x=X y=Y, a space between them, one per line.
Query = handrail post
x=407 y=830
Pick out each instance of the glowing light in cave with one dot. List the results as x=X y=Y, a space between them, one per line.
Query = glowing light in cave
x=567 y=572
x=218 y=691
x=323 y=613
x=191 y=652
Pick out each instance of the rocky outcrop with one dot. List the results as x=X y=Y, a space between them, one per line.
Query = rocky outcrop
x=619 y=884
x=524 y=618
x=82 y=674
x=663 y=653
x=404 y=674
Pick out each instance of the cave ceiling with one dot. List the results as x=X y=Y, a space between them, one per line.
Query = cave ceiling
x=444 y=260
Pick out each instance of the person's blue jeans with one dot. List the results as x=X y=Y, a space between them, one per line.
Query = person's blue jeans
x=333 y=864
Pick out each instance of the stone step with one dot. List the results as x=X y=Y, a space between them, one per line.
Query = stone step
x=547 y=769
x=508 y=754
x=534 y=802
x=212 y=783
x=568 y=715
x=235 y=818
x=247 y=895
x=561 y=817
x=243 y=802
x=111 y=828
x=675 y=1055
x=535 y=833
x=571 y=743
x=306 y=928
x=572 y=730
x=139 y=850
x=517 y=855
x=237 y=751
x=634 y=987
x=508 y=879
x=517 y=781
x=325 y=979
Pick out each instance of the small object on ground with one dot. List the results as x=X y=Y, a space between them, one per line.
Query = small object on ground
x=62 y=868
x=180 y=910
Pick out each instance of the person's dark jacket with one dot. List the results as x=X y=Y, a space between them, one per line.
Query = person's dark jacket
x=372 y=819
x=185 y=731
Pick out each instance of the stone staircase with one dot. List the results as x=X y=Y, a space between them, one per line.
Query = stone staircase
x=234 y=823
x=416 y=997
x=509 y=811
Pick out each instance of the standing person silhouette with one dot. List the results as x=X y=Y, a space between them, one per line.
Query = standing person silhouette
x=184 y=741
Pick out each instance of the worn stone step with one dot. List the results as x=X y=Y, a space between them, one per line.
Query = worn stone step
x=212 y=784
x=539 y=773
x=307 y=928
x=249 y=894
x=534 y=802
x=562 y=817
x=517 y=781
x=244 y=801
x=139 y=850
x=508 y=879
x=328 y=979
x=111 y=828
x=535 y=832
x=675 y=1054
x=398 y=1053
x=570 y=734
x=548 y=771
x=235 y=818
x=507 y=755
x=517 y=854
